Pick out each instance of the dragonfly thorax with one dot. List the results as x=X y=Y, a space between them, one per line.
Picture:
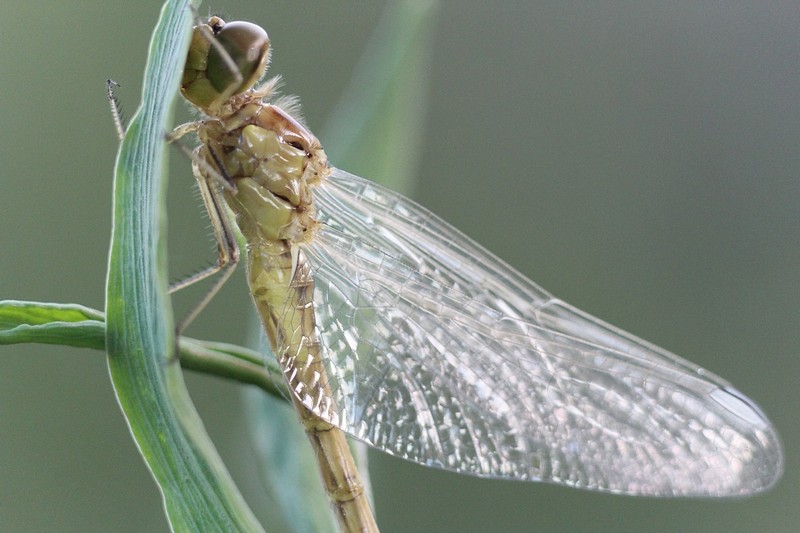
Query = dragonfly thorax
x=266 y=160
x=272 y=164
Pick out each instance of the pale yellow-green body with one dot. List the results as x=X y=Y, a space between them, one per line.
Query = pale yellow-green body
x=264 y=164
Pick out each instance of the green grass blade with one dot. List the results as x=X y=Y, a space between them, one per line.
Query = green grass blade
x=82 y=327
x=65 y=324
x=375 y=129
x=283 y=454
x=198 y=492
x=13 y=312
x=379 y=116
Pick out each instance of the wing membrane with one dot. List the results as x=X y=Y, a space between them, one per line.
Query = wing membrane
x=440 y=353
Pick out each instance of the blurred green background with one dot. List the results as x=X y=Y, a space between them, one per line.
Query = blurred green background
x=639 y=160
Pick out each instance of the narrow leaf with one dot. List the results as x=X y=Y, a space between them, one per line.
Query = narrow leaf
x=82 y=327
x=198 y=492
x=381 y=114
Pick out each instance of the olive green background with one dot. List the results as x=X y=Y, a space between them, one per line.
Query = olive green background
x=639 y=160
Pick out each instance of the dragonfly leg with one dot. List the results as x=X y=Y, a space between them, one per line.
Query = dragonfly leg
x=116 y=109
x=227 y=248
x=182 y=130
x=218 y=173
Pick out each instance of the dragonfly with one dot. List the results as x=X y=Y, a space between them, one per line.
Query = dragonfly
x=392 y=326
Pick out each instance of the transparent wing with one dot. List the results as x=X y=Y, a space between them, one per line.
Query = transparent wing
x=440 y=353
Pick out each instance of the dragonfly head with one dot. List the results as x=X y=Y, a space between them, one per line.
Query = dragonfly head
x=224 y=59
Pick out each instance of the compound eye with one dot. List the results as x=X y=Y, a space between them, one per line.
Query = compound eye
x=247 y=48
x=231 y=65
